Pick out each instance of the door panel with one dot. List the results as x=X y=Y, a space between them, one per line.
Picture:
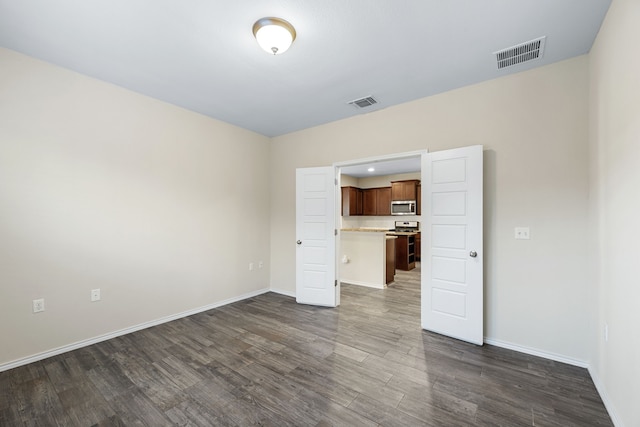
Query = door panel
x=449 y=203
x=449 y=236
x=452 y=277
x=315 y=240
x=449 y=302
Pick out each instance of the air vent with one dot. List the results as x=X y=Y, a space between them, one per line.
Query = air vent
x=521 y=53
x=364 y=102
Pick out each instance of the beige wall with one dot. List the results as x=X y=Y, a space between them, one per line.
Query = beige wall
x=385 y=181
x=104 y=188
x=348 y=181
x=615 y=209
x=533 y=126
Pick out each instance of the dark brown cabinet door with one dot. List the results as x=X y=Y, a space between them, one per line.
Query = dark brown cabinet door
x=397 y=190
x=418 y=246
x=404 y=190
x=391 y=260
x=419 y=199
x=384 y=201
x=369 y=201
x=344 y=208
x=351 y=201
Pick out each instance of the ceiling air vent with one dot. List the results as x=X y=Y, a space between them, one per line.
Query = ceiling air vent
x=521 y=53
x=364 y=102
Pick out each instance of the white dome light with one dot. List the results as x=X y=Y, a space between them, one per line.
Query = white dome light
x=274 y=35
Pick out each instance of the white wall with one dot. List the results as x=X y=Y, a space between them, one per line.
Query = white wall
x=366 y=258
x=533 y=126
x=615 y=209
x=104 y=188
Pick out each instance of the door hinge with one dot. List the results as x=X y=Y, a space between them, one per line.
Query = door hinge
x=335 y=180
x=335 y=283
x=335 y=231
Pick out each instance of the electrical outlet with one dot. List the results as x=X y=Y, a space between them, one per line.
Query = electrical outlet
x=95 y=295
x=260 y=264
x=522 y=233
x=250 y=266
x=38 y=305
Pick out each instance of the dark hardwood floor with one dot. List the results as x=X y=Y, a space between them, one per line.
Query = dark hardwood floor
x=269 y=361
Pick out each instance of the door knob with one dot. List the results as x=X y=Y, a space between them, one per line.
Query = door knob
x=473 y=254
x=299 y=242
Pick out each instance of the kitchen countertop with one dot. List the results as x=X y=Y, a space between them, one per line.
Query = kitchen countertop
x=382 y=230
x=402 y=233
x=373 y=230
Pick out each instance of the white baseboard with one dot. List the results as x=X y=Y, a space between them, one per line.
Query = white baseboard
x=558 y=358
x=536 y=352
x=283 y=292
x=605 y=398
x=84 y=343
x=365 y=284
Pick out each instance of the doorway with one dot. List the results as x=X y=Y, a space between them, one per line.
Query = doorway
x=373 y=175
x=451 y=280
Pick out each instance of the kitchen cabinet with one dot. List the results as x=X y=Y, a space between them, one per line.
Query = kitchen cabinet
x=418 y=247
x=404 y=190
x=419 y=199
x=390 y=259
x=384 y=201
x=351 y=201
x=369 y=201
x=376 y=201
x=405 y=252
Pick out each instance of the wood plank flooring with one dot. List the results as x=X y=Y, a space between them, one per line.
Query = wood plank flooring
x=269 y=361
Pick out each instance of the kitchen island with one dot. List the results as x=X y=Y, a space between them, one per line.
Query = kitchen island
x=406 y=250
x=367 y=257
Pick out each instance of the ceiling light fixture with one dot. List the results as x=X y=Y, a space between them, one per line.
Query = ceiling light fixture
x=371 y=169
x=274 y=35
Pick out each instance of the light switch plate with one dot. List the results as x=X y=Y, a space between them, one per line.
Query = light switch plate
x=522 y=233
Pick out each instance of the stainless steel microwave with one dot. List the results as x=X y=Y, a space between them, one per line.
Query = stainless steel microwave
x=403 y=207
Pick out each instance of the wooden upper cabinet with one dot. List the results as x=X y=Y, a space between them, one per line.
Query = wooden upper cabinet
x=351 y=201
x=398 y=190
x=370 y=201
x=384 y=201
x=367 y=201
x=359 y=202
x=419 y=199
x=404 y=190
x=376 y=201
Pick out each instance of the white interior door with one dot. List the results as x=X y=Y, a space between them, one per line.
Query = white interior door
x=452 y=265
x=315 y=234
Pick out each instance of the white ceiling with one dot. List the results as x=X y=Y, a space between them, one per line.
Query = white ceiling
x=201 y=54
x=383 y=167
